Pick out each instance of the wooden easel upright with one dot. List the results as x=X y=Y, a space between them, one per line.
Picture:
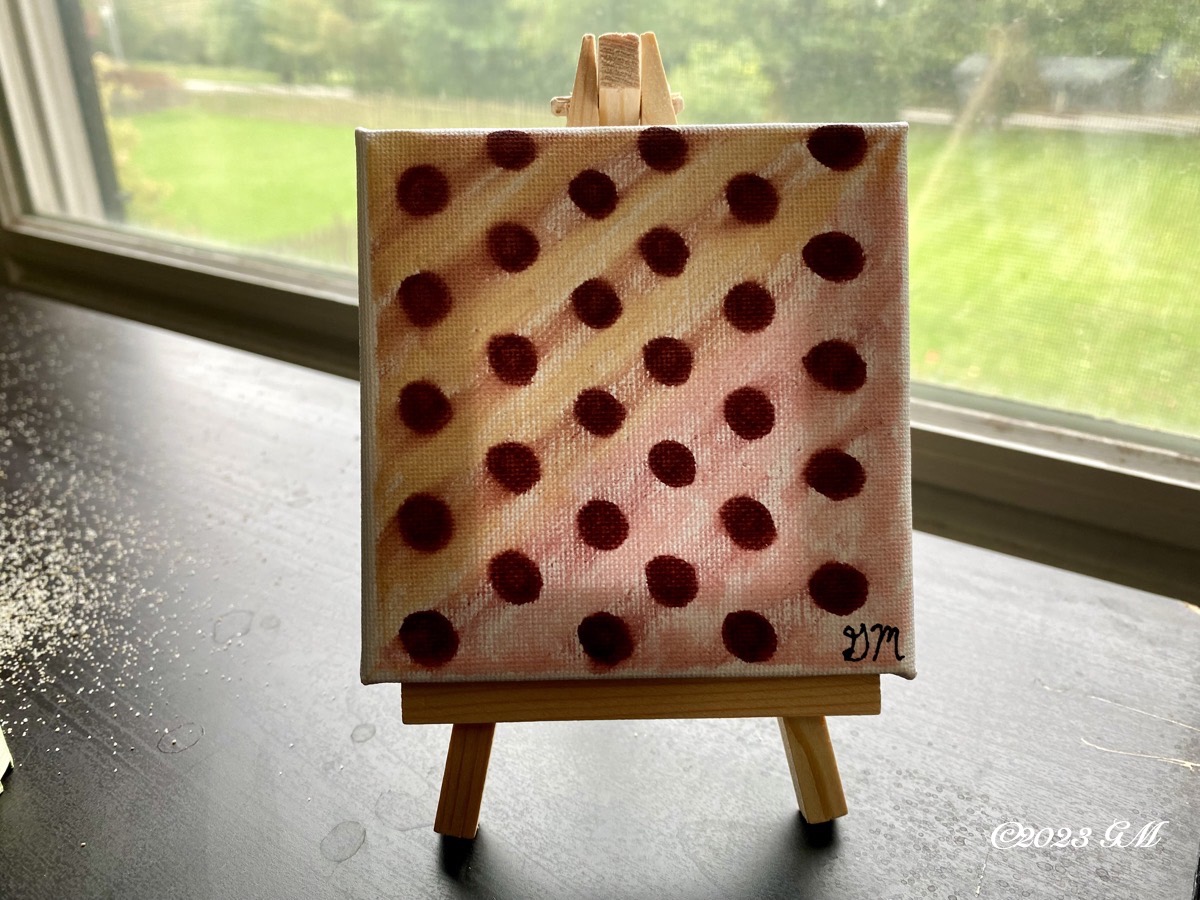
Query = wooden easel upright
x=625 y=84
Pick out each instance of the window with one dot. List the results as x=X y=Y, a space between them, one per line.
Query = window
x=195 y=158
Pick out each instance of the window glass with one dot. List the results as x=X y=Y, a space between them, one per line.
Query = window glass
x=1054 y=149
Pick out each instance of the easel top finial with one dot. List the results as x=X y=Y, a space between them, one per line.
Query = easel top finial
x=620 y=82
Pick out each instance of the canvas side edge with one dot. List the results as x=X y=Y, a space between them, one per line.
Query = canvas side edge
x=909 y=669
x=367 y=396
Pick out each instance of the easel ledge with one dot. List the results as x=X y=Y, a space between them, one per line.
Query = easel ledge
x=800 y=705
x=638 y=698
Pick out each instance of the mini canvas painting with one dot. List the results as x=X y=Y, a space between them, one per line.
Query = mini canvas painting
x=635 y=403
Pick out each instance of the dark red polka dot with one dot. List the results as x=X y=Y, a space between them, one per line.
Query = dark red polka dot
x=605 y=638
x=672 y=463
x=752 y=199
x=668 y=360
x=839 y=147
x=599 y=412
x=749 y=636
x=514 y=465
x=749 y=306
x=513 y=358
x=428 y=638
x=664 y=250
x=662 y=149
x=594 y=193
x=835 y=474
x=836 y=365
x=596 y=304
x=424 y=408
x=512 y=247
x=838 y=588
x=515 y=577
x=602 y=525
x=834 y=256
x=511 y=149
x=748 y=523
x=424 y=298
x=422 y=191
x=671 y=580
x=750 y=413
x=426 y=523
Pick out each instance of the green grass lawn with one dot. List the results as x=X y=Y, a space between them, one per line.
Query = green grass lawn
x=1054 y=267
x=1061 y=268
x=243 y=181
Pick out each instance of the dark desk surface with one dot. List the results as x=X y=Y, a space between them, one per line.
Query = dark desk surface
x=179 y=637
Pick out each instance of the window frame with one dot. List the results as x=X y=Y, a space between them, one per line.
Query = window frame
x=1105 y=498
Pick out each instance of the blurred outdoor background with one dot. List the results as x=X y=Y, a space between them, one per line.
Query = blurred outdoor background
x=1054 y=151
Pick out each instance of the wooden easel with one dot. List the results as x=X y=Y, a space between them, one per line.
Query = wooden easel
x=625 y=84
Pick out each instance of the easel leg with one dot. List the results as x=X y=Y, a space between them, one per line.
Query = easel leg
x=814 y=768
x=462 y=785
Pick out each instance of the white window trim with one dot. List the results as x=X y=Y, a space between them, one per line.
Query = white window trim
x=45 y=110
x=1105 y=498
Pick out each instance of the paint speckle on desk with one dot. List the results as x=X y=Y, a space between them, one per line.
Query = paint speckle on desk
x=75 y=538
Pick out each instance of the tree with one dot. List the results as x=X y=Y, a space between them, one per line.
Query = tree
x=292 y=29
x=236 y=34
x=724 y=83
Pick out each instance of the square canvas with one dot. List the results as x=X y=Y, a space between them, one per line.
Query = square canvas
x=635 y=403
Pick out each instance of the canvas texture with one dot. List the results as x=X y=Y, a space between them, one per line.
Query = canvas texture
x=635 y=403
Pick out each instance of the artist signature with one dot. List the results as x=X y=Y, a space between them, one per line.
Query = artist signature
x=873 y=640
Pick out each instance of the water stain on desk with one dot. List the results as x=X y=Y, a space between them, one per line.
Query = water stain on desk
x=343 y=841
x=232 y=625
x=180 y=738
x=403 y=810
